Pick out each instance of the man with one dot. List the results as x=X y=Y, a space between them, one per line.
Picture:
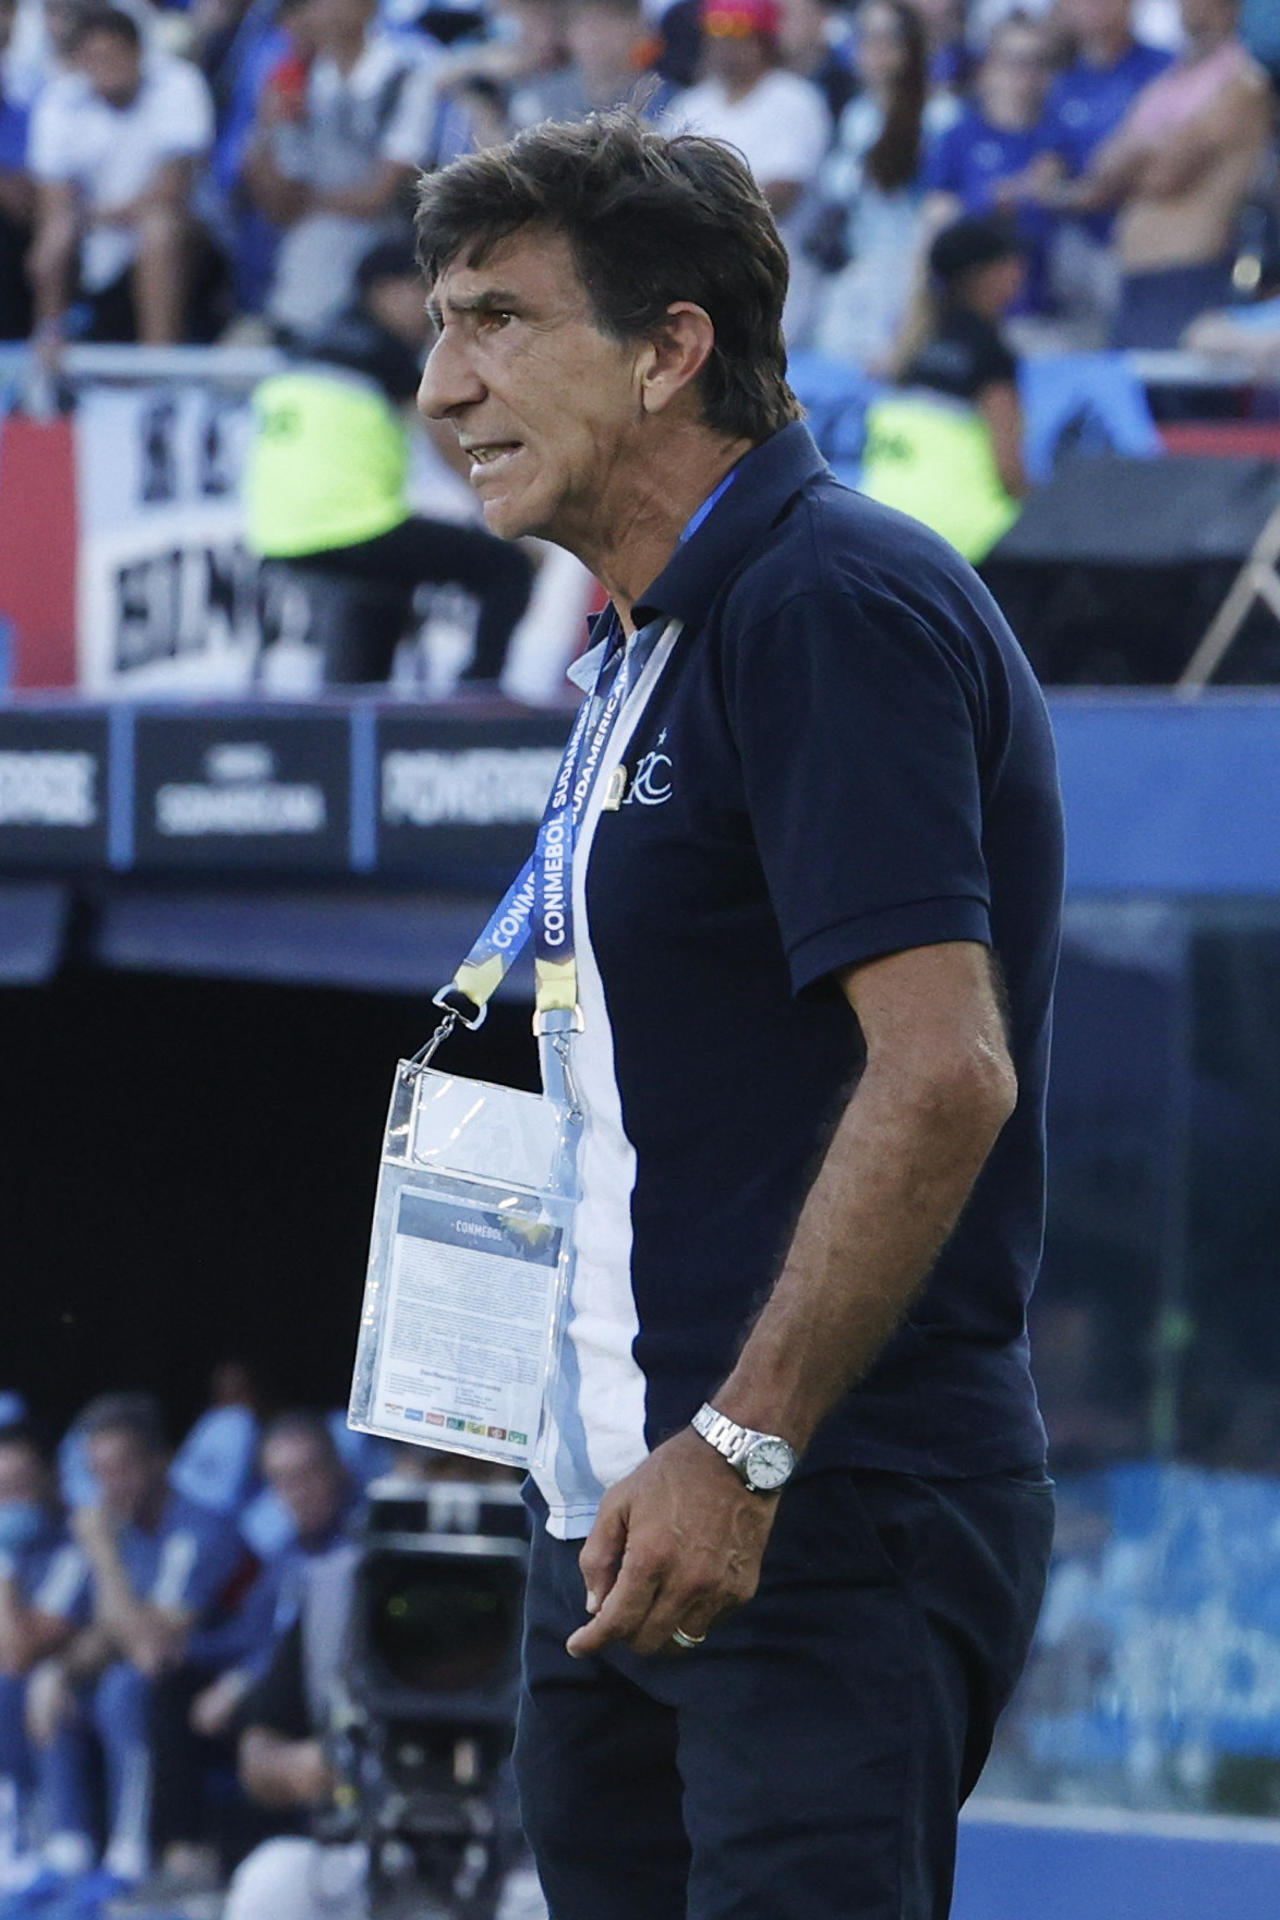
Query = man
x=114 y=147
x=816 y=892
x=990 y=156
x=163 y=1574
x=43 y=1583
x=1177 y=171
x=326 y=483
x=1085 y=106
x=776 y=120
x=335 y=177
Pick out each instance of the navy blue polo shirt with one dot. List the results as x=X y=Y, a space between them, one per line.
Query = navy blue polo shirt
x=835 y=752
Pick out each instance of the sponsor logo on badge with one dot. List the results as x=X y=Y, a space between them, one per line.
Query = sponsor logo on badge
x=497 y=1433
x=518 y=1439
x=393 y=1406
x=455 y=1425
x=413 y=1413
x=477 y=1426
x=435 y=1419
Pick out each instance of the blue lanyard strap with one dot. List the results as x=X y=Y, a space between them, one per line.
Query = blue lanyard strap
x=539 y=903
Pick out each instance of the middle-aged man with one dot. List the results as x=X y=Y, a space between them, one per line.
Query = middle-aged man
x=816 y=896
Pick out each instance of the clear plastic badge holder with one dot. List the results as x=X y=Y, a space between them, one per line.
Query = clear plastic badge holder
x=470 y=1258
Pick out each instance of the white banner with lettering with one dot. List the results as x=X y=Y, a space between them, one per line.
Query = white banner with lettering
x=167 y=591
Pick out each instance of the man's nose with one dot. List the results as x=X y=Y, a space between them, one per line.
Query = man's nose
x=448 y=381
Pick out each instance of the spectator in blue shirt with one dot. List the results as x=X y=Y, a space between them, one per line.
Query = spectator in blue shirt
x=162 y=1575
x=1088 y=101
x=43 y=1592
x=979 y=166
x=17 y=202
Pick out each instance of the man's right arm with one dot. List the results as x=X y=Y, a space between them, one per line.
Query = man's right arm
x=283 y=1773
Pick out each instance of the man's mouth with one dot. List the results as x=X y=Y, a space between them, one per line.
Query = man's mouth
x=486 y=456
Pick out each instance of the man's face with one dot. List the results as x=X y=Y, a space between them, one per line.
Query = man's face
x=128 y=1472
x=112 y=67
x=22 y=1474
x=305 y=1478
x=738 y=60
x=548 y=406
x=602 y=38
x=1099 y=18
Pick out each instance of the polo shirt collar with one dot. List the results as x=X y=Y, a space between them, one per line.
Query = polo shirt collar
x=765 y=481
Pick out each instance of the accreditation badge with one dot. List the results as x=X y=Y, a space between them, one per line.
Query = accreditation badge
x=468 y=1266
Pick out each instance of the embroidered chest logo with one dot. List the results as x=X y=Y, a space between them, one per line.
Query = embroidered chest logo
x=650 y=785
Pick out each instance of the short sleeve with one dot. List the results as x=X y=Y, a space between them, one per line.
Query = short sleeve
x=51 y=147
x=198 y=1561
x=858 y=732
x=797 y=137
x=406 y=139
x=940 y=171
x=63 y=1592
x=183 y=122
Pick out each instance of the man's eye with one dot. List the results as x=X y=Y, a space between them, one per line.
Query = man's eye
x=497 y=317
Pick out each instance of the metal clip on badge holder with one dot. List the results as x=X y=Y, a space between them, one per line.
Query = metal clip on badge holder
x=556 y=1024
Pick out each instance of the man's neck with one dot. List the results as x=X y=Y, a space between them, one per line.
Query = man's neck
x=644 y=531
x=345 y=52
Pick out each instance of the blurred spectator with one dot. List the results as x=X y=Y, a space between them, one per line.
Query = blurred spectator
x=334 y=153
x=1086 y=105
x=776 y=120
x=163 y=1574
x=947 y=448
x=284 y=1762
x=1260 y=31
x=950 y=58
x=114 y=148
x=17 y=202
x=819 y=44
x=325 y=482
x=43 y=1582
x=543 y=84
x=613 y=49
x=986 y=160
x=1179 y=169
x=870 y=185
x=192 y=1713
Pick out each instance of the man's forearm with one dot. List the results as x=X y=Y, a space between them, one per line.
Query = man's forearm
x=51 y=261
x=891 y=1187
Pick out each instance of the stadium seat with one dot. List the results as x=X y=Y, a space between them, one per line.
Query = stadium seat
x=217 y=1463
x=1083 y=403
x=835 y=398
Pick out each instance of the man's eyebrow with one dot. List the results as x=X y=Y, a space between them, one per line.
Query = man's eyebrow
x=491 y=300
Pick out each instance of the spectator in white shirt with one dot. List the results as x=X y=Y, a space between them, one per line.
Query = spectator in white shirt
x=338 y=179
x=114 y=146
x=776 y=120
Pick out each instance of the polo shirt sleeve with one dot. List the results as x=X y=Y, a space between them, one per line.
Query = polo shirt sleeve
x=63 y=1592
x=198 y=1560
x=858 y=733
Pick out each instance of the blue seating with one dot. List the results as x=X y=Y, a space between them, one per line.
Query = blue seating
x=217 y=1463
x=835 y=398
x=1083 y=403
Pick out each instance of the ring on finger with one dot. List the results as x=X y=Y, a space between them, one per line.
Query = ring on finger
x=687 y=1640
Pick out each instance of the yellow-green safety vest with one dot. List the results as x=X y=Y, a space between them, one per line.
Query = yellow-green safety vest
x=932 y=458
x=327 y=463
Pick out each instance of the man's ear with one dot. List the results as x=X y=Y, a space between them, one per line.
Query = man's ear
x=678 y=348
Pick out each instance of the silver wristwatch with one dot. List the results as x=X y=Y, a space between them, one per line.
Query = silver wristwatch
x=764 y=1462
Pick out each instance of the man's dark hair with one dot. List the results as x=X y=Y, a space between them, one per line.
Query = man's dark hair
x=650 y=219
x=111 y=20
x=135 y=1413
x=304 y=1425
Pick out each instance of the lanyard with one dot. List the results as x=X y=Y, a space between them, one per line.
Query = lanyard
x=538 y=905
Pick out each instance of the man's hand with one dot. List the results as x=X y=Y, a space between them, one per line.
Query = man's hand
x=95 y=1531
x=213 y=1709
x=676 y=1544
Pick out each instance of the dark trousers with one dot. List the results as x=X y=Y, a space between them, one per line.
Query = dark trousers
x=437 y=553
x=809 y=1762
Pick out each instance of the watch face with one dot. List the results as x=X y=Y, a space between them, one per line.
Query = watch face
x=769 y=1465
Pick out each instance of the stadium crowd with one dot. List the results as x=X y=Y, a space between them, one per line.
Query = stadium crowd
x=147 y=1600
x=188 y=172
